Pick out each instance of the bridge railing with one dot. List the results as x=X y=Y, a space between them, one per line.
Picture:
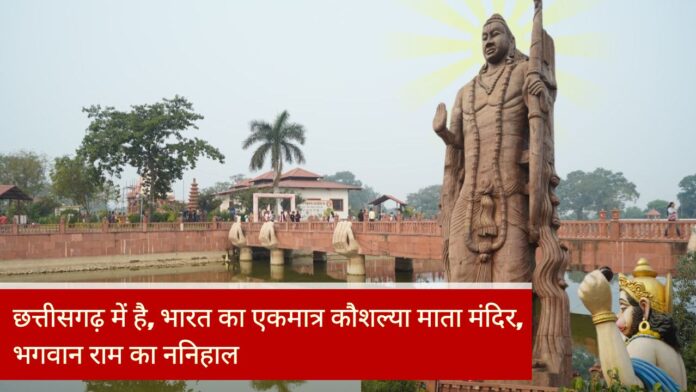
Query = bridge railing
x=124 y=227
x=78 y=228
x=36 y=229
x=164 y=226
x=628 y=229
x=615 y=229
x=656 y=230
x=584 y=229
x=431 y=228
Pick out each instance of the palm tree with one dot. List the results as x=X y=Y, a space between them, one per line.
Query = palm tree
x=276 y=143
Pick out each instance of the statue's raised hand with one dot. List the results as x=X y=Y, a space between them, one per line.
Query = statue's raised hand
x=267 y=236
x=440 y=120
x=343 y=240
x=595 y=292
x=236 y=235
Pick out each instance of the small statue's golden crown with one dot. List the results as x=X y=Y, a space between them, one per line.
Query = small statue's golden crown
x=645 y=285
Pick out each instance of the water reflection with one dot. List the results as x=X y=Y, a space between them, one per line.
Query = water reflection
x=279 y=386
x=137 y=386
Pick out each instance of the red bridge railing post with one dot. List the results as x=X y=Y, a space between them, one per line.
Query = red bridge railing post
x=614 y=225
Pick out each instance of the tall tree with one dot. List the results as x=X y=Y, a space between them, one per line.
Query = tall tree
x=581 y=192
x=687 y=197
x=207 y=199
x=426 y=200
x=75 y=180
x=685 y=311
x=356 y=199
x=25 y=169
x=659 y=205
x=275 y=144
x=633 y=212
x=148 y=138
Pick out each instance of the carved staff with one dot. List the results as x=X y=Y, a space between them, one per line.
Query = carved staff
x=537 y=121
x=552 y=344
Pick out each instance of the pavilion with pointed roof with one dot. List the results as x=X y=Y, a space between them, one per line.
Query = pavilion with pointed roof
x=317 y=193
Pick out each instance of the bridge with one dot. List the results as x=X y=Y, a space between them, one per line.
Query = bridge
x=614 y=242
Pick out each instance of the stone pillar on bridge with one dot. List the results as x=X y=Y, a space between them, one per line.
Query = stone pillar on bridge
x=345 y=244
x=237 y=238
x=356 y=265
x=614 y=225
x=355 y=278
x=269 y=241
x=246 y=267
x=277 y=271
x=603 y=223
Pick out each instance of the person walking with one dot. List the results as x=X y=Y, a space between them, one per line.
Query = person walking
x=672 y=218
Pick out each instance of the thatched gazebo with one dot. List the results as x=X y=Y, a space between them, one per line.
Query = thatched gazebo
x=653 y=214
x=12 y=192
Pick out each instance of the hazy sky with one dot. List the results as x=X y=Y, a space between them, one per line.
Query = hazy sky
x=344 y=69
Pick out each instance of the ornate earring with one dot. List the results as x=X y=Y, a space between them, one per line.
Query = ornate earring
x=644 y=329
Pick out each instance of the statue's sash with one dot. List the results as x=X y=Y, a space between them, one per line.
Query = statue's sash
x=651 y=375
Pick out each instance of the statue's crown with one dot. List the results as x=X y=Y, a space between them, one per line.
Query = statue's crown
x=645 y=285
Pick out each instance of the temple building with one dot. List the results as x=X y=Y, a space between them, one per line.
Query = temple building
x=317 y=194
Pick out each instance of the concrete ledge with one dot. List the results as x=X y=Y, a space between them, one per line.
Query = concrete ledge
x=73 y=264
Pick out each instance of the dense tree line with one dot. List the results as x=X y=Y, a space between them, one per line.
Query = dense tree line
x=149 y=138
x=584 y=194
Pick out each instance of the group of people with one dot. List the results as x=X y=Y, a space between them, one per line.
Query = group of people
x=364 y=214
x=268 y=216
x=116 y=217
x=192 y=216
x=371 y=216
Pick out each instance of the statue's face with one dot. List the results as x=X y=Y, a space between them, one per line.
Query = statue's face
x=495 y=42
x=629 y=316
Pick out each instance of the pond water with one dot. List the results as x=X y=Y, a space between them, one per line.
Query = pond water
x=302 y=269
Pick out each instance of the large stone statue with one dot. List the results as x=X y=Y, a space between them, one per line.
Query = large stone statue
x=497 y=201
x=639 y=347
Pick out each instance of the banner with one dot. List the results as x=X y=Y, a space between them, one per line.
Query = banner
x=264 y=332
